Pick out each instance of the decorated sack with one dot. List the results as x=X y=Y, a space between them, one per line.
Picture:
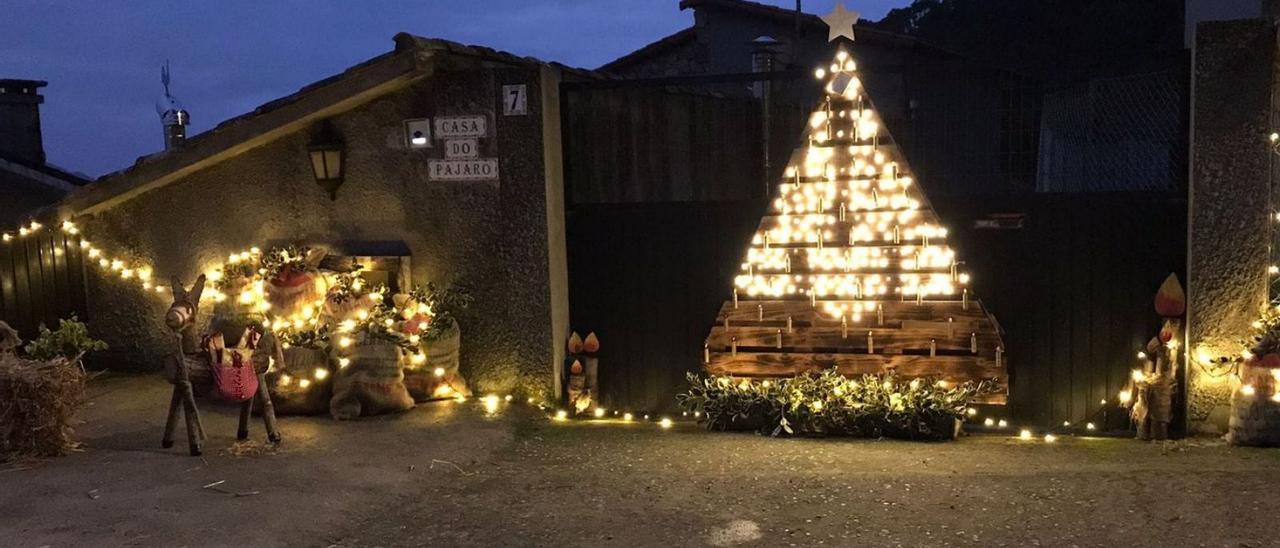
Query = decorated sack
x=438 y=376
x=303 y=383
x=372 y=383
x=1255 y=403
x=428 y=319
x=293 y=282
x=231 y=369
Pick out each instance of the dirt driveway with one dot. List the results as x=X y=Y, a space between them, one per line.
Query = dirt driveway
x=450 y=475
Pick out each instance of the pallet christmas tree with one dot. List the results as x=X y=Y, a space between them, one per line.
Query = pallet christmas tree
x=850 y=267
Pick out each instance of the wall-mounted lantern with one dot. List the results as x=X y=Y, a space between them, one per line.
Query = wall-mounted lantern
x=327 y=151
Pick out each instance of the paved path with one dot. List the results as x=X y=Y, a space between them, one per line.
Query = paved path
x=449 y=475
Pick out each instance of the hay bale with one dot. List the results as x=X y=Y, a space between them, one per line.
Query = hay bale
x=38 y=400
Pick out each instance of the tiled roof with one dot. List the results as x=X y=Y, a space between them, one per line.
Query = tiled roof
x=653 y=48
x=234 y=134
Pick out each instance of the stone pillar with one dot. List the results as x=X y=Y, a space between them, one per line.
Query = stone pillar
x=1230 y=205
x=557 y=254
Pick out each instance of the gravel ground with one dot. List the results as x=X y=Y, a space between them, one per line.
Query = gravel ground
x=449 y=475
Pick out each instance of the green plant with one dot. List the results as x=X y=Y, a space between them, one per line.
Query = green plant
x=445 y=302
x=827 y=403
x=70 y=340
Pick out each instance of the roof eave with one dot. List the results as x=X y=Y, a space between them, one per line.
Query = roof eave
x=326 y=98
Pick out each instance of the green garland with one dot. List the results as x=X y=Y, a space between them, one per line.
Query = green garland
x=279 y=259
x=827 y=403
x=445 y=302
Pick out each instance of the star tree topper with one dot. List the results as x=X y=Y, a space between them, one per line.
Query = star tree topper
x=840 y=22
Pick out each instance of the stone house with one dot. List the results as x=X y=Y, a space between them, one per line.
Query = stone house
x=491 y=219
x=27 y=181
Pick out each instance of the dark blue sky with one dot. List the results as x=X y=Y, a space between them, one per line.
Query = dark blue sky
x=102 y=58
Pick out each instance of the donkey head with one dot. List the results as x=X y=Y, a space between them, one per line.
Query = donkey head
x=182 y=313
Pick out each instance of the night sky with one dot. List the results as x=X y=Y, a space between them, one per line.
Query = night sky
x=102 y=58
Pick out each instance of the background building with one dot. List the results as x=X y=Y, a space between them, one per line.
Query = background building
x=27 y=182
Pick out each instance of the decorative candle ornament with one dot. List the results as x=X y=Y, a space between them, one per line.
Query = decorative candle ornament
x=760 y=312
x=788 y=262
x=706 y=354
x=880 y=314
x=844 y=326
x=813 y=299
x=778 y=344
x=790 y=328
x=797 y=183
x=875 y=197
x=726 y=323
x=897 y=234
x=871 y=342
x=842 y=212
x=820 y=240
x=924 y=239
x=766 y=240
x=933 y=348
x=999 y=356
x=733 y=346
x=919 y=296
x=735 y=301
x=964 y=299
x=954 y=272
x=951 y=322
x=973 y=343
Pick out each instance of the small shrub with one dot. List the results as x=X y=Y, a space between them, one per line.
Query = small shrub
x=827 y=403
x=70 y=341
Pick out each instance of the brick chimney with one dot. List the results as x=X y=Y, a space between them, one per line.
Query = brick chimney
x=20 y=120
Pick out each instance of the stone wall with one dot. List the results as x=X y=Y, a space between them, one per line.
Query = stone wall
x=1229 y=224
x=490 y=235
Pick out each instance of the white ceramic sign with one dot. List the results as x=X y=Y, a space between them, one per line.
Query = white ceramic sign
x=477 y=169
x=454 y=127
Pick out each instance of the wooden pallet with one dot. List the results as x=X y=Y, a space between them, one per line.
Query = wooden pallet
x=952 y=338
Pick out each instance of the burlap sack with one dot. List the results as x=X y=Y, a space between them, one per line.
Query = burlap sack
x=438 y=377
x=296 y=397
x=372 y=384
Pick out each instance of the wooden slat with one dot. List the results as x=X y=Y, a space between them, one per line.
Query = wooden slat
x=886 y=341
x=803 y=311
x=799 y=268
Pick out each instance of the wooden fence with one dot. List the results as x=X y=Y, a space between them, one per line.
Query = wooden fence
x=42 y=279
x=1072 y=289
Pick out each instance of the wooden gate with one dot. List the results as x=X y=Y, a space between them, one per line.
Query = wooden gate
x=42 y=279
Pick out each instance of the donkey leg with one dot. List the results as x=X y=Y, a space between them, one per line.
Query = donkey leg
x=246 y=409
x=195 y=431
x=268 y=409
x=175 y=408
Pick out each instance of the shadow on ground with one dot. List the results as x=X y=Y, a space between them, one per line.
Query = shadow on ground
x=450 y=475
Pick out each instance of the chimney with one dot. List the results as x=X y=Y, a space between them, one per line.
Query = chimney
x=20 y=120
x=172 y=116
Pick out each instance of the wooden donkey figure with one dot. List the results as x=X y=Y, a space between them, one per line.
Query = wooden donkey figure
x=189 y=364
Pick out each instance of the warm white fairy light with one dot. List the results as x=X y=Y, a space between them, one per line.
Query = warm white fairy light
x=847 y=223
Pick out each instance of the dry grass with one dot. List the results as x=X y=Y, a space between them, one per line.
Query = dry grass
x=38 y=400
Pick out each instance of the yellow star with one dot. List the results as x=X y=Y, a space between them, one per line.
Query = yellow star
x=840 y=22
